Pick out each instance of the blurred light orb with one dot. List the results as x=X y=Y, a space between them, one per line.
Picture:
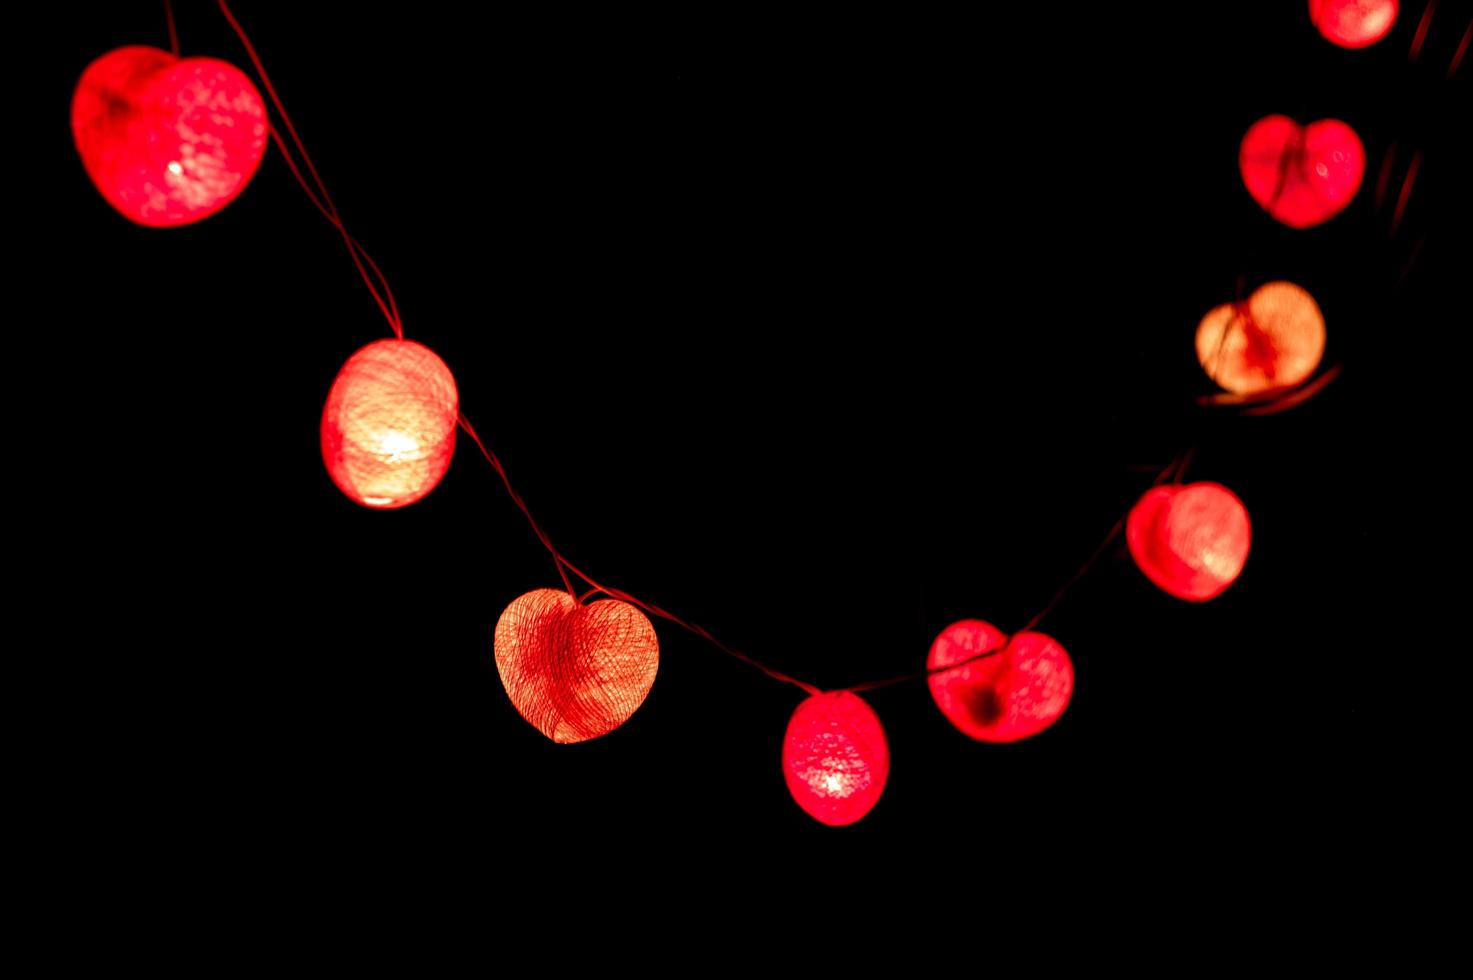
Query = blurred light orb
x=167 y=141
x=1191 y=540
x=388 y=428
x=1301 y=175
x=1275 y=339
x=575 y=671
x=835 y=757
x=1010 y=695
x=1353 y=23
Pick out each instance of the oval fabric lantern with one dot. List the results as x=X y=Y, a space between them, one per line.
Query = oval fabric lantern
x=1301 y=175
x=1353 y=23
x=835 y=757
x=1274 y=340
x=575 y=671
x=1011 y=695
x=388 y=428
x=167 y=141
x=1190 y=540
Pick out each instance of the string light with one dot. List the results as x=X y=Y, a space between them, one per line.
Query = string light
x=1190 y=540
x=1301 y=175
x=835 y=757
x=1353 y=23
x=388 y=428
x=1274 y=339
x=575 y=671
x=1015 y=693
x=167 y=141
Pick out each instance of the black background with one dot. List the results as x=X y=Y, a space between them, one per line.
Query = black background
x=824 y=334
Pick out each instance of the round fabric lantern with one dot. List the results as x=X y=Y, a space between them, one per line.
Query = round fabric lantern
x=1190 y=540
x=1353 y=23
x=388 y=429
x=575 y=671
x=1301 y=175
x=1274 y=340
x=835 y=757
x=167 y=141
x=1010 y=695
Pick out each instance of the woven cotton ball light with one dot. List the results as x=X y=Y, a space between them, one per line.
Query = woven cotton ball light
x=1301 y=175
x=1190 y=540
x=388 y=428
x=835 y=757
x=575 y=671
x=1012 y=694
x=1353 y=23
x=1274 y=340
x=167 y=141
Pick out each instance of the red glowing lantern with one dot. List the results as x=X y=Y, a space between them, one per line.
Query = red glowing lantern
x=167 y=141
x=835 y=757
x=575 y=671
x=1301 y=175
x=1274 y=340
x=388 y=429
x=1010 y=695
x=1190 y=540
x=1353 y=23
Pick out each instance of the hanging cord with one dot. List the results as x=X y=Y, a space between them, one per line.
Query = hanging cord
x=322 y=200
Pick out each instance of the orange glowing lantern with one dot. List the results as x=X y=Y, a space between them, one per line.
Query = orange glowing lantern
x=835 y=757
x=575 y=671
x=1190 y=540
x=167 y=141
x=388 y=428
x=1012 y=694
x=1353 y=23
x=1273 y=340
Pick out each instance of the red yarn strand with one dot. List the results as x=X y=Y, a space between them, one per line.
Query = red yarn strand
x=1421 y=35
x=322 y=199
x=173 y=31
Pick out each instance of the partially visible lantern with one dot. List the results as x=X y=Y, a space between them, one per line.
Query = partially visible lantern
x=835 y=757
x=1353 y=23
x=1301 y=175
x=388 y=428
x=1190 y=540
x=575 y=670
x=1273 y=340
x=1010 y=694
x=167 y=141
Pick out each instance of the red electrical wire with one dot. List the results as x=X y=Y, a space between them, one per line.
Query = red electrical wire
x=322 y=200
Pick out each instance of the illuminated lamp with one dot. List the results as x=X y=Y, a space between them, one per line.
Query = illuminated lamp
x=835 y=757
x=1191 y=539
x=388 y=428
x=1353 y=23
x=1301 y=175
x=167 y=141
x=1273 y=340
x=575 y=671
x=1010 y=695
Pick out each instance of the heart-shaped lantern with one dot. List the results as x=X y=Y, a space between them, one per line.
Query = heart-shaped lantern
x=167 y=141
x=1191 y=539
x=1301 y=175
x=1009 y=695
x=1275 y=339
x=574 y=670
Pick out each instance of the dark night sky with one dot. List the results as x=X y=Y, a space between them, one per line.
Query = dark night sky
x=824 y=334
